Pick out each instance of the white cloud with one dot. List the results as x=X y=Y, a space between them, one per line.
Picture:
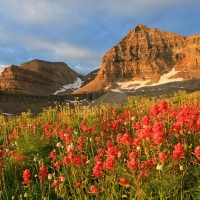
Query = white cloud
x=72 y=13
x=78 y=67
x=82 y=70
x=2 y=67
x=142 y=7
x=59 y=49
x=47 y=12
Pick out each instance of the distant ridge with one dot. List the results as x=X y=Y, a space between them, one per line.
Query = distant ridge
x=38 y=77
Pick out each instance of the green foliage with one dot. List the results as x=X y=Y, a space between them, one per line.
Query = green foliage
x=71 y=143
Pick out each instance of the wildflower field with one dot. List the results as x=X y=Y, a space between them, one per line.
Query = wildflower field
x=146 y=149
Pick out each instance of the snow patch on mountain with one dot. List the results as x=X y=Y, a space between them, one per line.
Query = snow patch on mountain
x=132 y=84
x=116 y=90
x=74 y=86
x=165 y=78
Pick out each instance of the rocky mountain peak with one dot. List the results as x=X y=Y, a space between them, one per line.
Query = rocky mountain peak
x=146 y=54
x=46 y=67
x=140 y=27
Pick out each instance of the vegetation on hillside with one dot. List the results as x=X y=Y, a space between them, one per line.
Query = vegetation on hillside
x=147 y=149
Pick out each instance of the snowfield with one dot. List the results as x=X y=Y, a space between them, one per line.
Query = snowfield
x=165 y=78
x=138 y=84
x=74 y=86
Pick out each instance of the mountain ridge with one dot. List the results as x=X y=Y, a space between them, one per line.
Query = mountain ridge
x=41 y=77
x=144 y=57
x=146 y=54
x=37 y=77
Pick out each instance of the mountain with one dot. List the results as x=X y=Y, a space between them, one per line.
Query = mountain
x=89 y=77
x=40 y=78
x=147 y=57
x=80 y=82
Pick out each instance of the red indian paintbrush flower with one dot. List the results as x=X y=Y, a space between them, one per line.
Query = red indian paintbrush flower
x=157 y=138
x=61 y=179
x=124 y=182
x=52 y=155
x=109 y=164
x=97 y=169
x=27 y=177
x=43 y=173
x=80 y=140
x=54 y=184
x=125 y=139
x=178 y=152
x=57 y=164
x=163 y=105
x=70 y=129
x=146 y=120
x=93 y=189
x=162 y=156
x=197 y=152
x=68 y=138
x=132 y=155
x=132 y=164
x=136 y=142
x=1 y=153
x=155 y=109
x=78 y=184
x=66 y=160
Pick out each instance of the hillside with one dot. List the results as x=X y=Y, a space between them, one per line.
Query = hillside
x=39 y=78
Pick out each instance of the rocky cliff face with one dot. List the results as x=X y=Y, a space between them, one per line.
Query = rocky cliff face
x=38 y=77
x=145 y=54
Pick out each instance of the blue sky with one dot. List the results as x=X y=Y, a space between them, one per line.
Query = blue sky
x=80 y=32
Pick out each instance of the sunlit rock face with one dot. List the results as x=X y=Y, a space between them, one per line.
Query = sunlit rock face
x=39 y=77
x=146 y=55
